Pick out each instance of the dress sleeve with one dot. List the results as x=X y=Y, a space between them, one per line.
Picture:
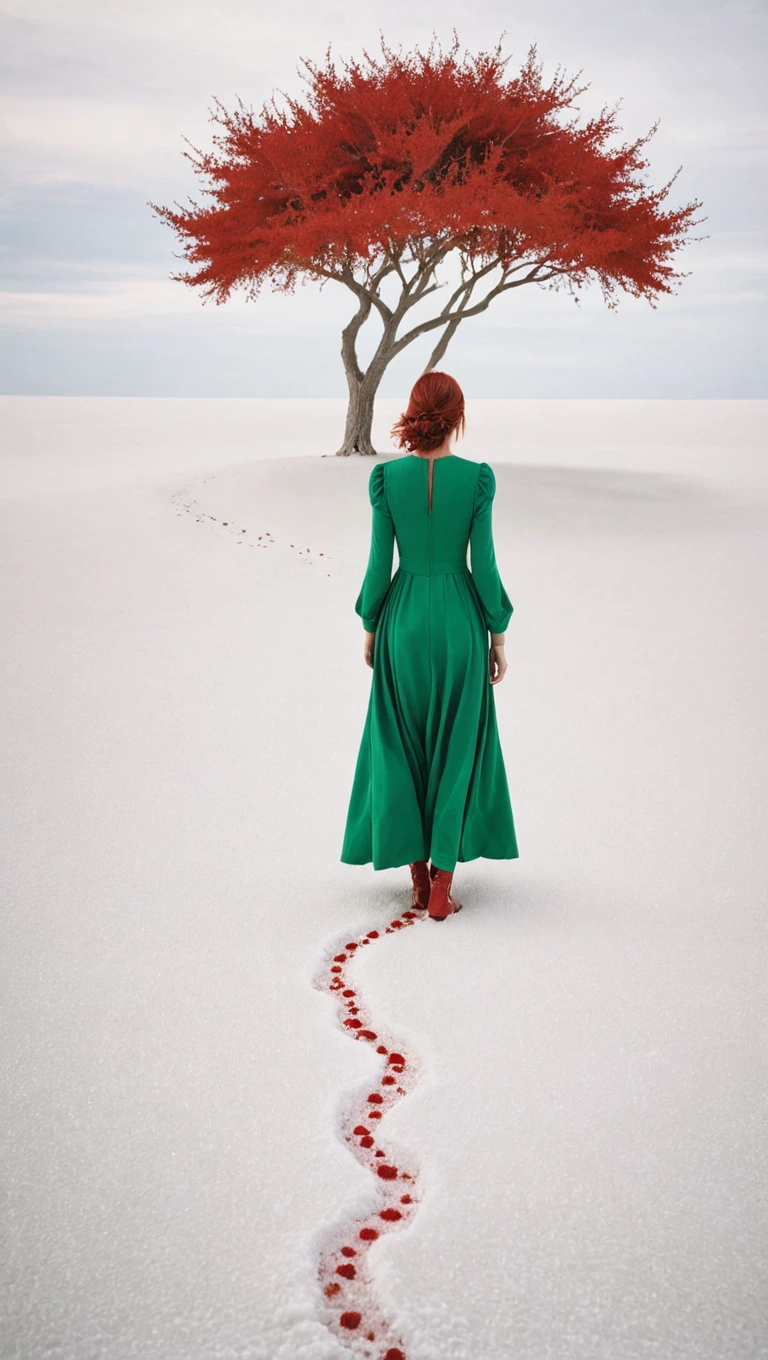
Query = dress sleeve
x=497 y=606
x=379 y=571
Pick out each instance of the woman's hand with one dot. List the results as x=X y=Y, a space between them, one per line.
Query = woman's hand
x=368 y=649
x=497 y=662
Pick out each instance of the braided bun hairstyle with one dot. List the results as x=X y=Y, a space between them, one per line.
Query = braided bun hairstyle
x=435 y=407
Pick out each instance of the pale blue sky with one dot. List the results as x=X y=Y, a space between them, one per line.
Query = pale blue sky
x=98 y=98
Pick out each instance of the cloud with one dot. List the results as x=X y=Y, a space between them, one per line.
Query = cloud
x=69 y=140
x=748 y=261
x=745 y=134
x=134 y=296
x=109 y=301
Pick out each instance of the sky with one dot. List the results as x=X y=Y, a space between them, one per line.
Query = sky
x=102 y=103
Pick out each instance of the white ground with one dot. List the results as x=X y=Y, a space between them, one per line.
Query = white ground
x=181 y=717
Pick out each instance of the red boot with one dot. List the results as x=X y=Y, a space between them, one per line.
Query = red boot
x=441 y=903
x=422 y=884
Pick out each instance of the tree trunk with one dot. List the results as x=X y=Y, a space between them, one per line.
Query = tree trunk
x=362 y=389
x=358 y=431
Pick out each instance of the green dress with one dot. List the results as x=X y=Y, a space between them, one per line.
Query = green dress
x=430 y=780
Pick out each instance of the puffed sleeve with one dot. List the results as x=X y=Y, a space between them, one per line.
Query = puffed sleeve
x=379 y=571
x=497 y=606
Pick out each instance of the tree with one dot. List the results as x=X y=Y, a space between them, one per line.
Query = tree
x=391 y=166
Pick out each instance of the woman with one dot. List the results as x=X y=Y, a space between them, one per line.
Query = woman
x=430 y=777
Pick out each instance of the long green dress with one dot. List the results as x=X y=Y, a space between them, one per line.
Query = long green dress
x=430 y=780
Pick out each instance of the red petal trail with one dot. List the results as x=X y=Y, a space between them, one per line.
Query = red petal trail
x=351 y=1309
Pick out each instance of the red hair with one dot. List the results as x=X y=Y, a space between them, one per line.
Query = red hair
x=435 y=407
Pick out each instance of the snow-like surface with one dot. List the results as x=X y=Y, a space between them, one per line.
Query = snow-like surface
x=181 y=712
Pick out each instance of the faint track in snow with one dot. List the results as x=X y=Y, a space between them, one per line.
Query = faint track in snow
x=346 y=1281
x=184 y=502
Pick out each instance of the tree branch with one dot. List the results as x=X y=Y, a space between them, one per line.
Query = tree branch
x=345 y=275
x=415 y=289
x=442 y=345
x=463 y=312
x=395 y=256
x=372 y=292
x=349 y=337
x=468 y=284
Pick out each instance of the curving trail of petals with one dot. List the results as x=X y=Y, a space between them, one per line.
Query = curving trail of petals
x=345 y=1277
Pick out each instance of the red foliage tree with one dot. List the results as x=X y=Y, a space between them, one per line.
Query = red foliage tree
x=390 y=166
